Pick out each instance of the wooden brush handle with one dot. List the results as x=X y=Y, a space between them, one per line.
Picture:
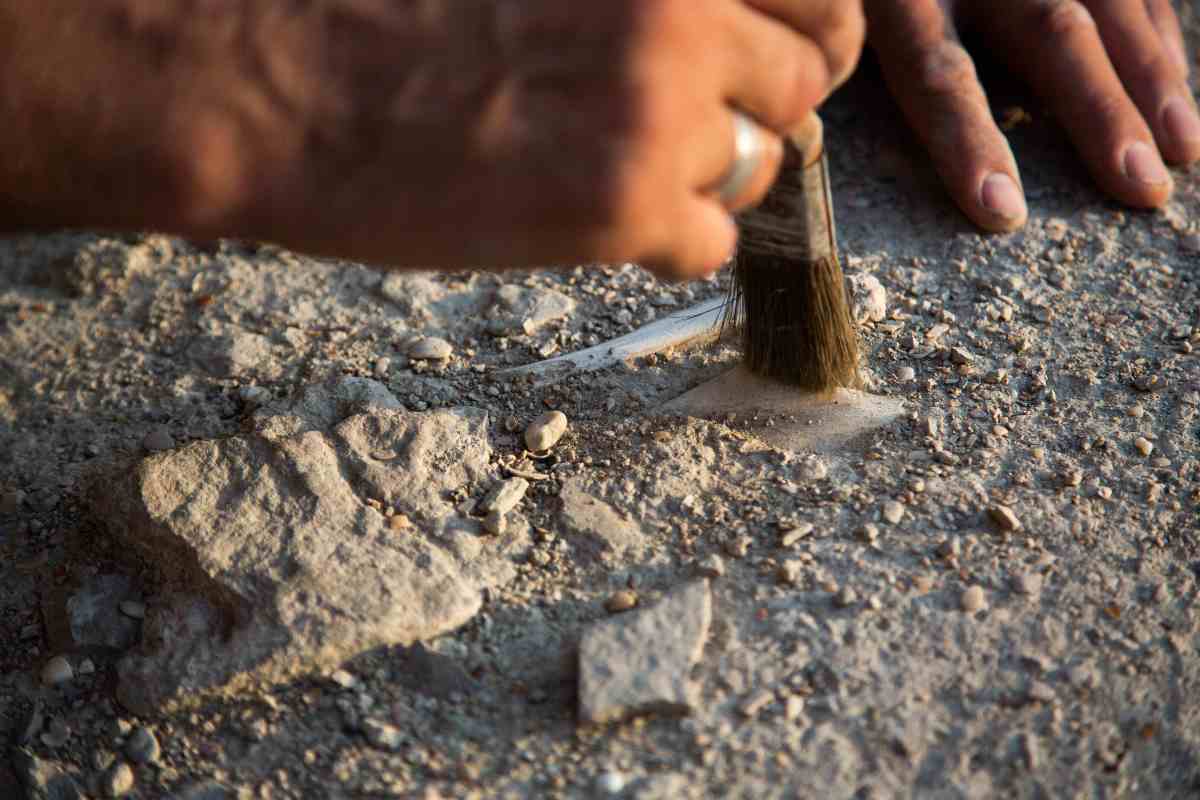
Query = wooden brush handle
x=794 y=222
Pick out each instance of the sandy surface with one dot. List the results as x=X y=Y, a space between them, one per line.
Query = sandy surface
x=1053 y=372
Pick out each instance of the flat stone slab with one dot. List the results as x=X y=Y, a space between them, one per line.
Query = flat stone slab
x=277 y=553
x=786 y=418
x=640 y=662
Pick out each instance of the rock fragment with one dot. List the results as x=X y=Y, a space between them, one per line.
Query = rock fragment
x=545 y=431
x=893 y=512
x=641 y=662
x=1004 y=518
x=1144 y=446
x=869 y=298
x=504 y=495
x=621 y=601
x=142 y=746
x=117 y=780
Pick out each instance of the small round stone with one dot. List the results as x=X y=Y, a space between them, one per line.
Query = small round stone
x=973 y=599
x=1135 y=411
x=57 y=671
x=382 y=366
x=1143 y=445
x=621 y=601
x=142 y=746
x=845 y=597
x=893 y=512
x=430 y=348
x=117 y=781
x=399 y=522
x=545 y=431
x=906 y=374
x=611 y=783
x=158 y=440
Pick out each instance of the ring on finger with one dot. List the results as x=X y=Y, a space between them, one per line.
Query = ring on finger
x=748 y=151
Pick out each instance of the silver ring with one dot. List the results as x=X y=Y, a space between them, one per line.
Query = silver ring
x=747 y=157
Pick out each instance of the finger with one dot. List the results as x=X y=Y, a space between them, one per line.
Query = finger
x=703 y=239
x=774 y=74
x=934 y=81
x=838 y=27
x=1151 y=77
x=1166 y=22
x=1056 y=47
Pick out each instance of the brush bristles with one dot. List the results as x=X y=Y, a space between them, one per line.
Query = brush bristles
x=794 y=320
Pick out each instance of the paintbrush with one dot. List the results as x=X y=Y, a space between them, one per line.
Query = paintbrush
x=788 y=296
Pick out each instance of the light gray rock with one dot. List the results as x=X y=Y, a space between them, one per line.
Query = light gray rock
x=597 y=525
x=869 y=298
x=641 y=662
x=504 y=495
x=280 y=565
x=527 y=310
x=94 y=613
x=142 y=746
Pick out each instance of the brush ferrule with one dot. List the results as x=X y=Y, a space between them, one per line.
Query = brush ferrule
x=794 y=222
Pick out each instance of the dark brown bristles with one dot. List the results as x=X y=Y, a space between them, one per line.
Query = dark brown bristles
x=788 y=296
x=794 y=321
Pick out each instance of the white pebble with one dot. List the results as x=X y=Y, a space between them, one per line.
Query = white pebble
x=893 y=512
x=430 y=348
x=1143 y=445
x=545 y=431
x=906 y=374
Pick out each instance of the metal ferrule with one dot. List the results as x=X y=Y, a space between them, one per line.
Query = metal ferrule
x=795 y=220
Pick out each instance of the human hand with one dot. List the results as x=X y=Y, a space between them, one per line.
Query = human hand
x=515 y=132
x=1113 y=71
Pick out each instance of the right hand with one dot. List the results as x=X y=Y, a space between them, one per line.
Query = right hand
x=508 y=132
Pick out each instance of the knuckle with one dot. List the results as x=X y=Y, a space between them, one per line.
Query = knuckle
x=1060 y=20
x=945 y=68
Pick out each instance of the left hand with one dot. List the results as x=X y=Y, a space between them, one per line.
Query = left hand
x=1113 y=71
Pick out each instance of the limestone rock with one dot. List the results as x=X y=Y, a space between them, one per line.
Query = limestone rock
x=545 y=431
x=641 y=661
x=278 y=564
x=869 y=298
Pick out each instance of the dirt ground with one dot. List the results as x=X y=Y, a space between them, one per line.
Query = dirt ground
x=915 y=643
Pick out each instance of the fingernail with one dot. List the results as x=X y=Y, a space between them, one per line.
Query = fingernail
x=1181 y=123
x=1142 y=164
x=1001 y=195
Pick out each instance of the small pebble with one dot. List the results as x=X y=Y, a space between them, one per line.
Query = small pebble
x=1004 y=518
x=893 y=512
x=973 y=599
x=158 y=440
x=1040 y=692
x=496 y=522
x=430 y=348
x=611 y=783
x=789 y=572
x=793 y=708
x=382 y=735
x=142 y=746
x=343 y=679
x=950 y=548
x=57 y=671
x=906 y=374
x=86 y=667
x=1104 y=493
x=383 y=365
x=545 y=431
x=868 y=533
x=1136 y=411
x=756 y=703
x=738 y=546
x=1027 y=583
x=132 y=608
x=790 y=536
x=398 y=522
x=712 y=566
x=845 y=597
x=621 y=601
x=117 y=781
x=1143 y=445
